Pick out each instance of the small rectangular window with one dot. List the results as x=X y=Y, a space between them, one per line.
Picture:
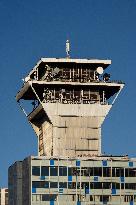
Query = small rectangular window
x=53 y=184
x=49 y=197
x=44 y=171
x=72 y=185
x=51 y=162
x=130 y=164
x=78 y=163
x=40 y=184
x=63 y=185
x=53 y=171
x=106 y=171
x=62 y=171
x=35 y=170
x=69 y=171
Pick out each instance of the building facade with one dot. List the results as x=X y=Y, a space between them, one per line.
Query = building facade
x=97 y=180
x=3 y=196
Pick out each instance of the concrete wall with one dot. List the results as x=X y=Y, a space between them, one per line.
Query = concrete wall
x=71 y=129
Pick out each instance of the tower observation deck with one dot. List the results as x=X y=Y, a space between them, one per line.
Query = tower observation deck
x=69 y=100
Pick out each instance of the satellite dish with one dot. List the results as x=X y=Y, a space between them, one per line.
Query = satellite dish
x=99 y=70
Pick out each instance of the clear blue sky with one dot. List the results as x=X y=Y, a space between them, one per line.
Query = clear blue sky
x=32 y=29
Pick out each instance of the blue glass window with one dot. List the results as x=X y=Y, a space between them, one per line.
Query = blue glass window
x=113 y=191
x=33 y=190
x=86 y=191
x=70 y=178
x=96 y=179
x=51 y=162
x=130 y=164
x=122 y=179
x=42 y=177
x=78 y=163
x=104 y=163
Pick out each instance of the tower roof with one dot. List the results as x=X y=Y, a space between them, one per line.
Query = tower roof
x=95 y=62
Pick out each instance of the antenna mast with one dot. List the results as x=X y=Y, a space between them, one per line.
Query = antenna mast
x=68 y=48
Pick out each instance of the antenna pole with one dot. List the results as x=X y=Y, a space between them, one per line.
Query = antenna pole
x=68 y=48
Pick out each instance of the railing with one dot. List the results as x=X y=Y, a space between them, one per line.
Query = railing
x=81 y=81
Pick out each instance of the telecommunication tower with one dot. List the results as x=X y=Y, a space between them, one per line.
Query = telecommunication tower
x=70 y=99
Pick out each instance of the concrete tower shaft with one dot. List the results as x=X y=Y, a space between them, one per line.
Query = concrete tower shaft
x=70 y=100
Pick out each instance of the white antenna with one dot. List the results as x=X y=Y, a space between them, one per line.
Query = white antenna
x=68 y=48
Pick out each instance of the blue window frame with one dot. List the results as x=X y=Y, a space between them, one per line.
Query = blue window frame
x=113 y=191
x=86 y=191
x=78 y=163
x=130 y=164
x=104 y=163
x=33 y=190
x=69 y=178
x=51 y=162
x=95 y=178
x=122 y=179
x=42 y=177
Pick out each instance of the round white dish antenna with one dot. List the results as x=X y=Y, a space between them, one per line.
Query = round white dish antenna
x=99 y=70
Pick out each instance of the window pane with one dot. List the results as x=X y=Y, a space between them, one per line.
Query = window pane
x=53 y=184
x=40 y=184
x=63 y=185
x=69 y=171
x=53 y=171
x=72 y=185
x=36 y=170
x=62 y=171
x=44 y=171
x=47 y=197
